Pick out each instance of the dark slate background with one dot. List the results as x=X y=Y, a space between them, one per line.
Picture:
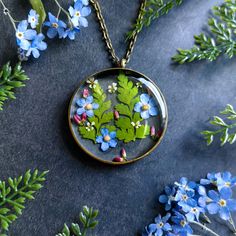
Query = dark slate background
x=34 y=131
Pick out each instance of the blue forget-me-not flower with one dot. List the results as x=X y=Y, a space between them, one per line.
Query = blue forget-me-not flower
x=107 y=139
x=146 y=107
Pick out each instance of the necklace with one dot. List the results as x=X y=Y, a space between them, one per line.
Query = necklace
x=117 y=115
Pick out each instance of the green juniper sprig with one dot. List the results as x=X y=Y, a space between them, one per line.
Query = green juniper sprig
x=223 y=29
x=223 y=127
x=14 y=193
x=87 y=218
x=9 y=80
x=152 y=11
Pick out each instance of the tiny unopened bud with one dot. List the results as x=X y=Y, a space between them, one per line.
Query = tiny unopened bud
x=116 y=115
x=118 y=159
x=84 y=116
x=77 y=119
x=123 y=153
x=153 y=131
x=85 y=93
x=159 y=133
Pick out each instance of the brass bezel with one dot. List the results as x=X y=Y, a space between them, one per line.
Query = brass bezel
x=125 y=162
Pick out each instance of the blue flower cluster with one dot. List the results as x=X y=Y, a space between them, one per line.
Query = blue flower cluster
x=31 y=43
x=188 y=202
x=27 y=38
x=76 y=19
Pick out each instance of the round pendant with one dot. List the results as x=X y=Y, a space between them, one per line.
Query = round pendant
x=118 y=116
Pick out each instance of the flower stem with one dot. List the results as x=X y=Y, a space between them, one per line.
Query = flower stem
x=6 y=11
x=231 y=221
x=61 y=9
x=204 y=227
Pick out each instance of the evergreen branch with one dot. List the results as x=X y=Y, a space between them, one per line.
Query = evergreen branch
x=223 y=28
x=14 y=193
x=9 y=80
x=223 y=127
x=87 y=218
x=153 y=10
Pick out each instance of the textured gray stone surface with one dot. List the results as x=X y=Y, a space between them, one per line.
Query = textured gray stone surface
x=34 y=131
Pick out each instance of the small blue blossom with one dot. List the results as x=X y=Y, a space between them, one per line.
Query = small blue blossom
x=211 y=179
x=85 y=2
x=192 y=210
x=87 y=106
x=78 y=14
x=168 y=197
x=183 y=197
x=107 y=139
x=71 y=32
x=161 y=227
x=181 y=226
x=37 y=45
x=221 y=203
x=146 y=107
x=24 y=35
x=226 y=181
x=185 y=185
x=33 y=18
x=56 y=27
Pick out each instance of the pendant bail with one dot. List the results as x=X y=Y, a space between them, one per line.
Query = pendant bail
x=123 y=63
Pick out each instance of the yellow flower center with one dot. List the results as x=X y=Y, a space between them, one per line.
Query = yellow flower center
x=88 y=107
x=227 y=184
x=19 y=35
x=185 y=197
x=194 y=210
x=182 y=223
x=222 y=202
x=77 y=14
x=33 y=19
x=161 y=224
x=107 y=138
x=54 y=25
x=145 y=107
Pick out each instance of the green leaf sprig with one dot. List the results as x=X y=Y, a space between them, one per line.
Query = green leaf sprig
x=226 y=130
x=153 y=10
x=87 y=218
x=14 y=193
x=128 y=97
x=102 y=115
x=222 y=41
x=9 y=80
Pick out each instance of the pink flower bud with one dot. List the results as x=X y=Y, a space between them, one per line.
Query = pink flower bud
x=159 y=133
x=77 y=119
x=85 y=93
x=116 y=115
x=84 y=116
x=123 y=153
x=153 y=131
x=118 y=159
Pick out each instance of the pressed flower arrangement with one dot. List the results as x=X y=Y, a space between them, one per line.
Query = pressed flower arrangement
x=116 y=114
x=189 y=203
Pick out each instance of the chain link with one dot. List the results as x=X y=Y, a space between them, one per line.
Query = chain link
x=116 y=60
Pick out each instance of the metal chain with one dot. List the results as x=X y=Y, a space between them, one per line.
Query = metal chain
x=116 y=60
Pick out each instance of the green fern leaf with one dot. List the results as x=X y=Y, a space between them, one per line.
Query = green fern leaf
x=87 y=218
x=87 y=134
x=9 y=80
x=128 y=96
x=224 y=129
x=153 y=10
x=142 y=131
x=220 y=40
x=14 y=193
